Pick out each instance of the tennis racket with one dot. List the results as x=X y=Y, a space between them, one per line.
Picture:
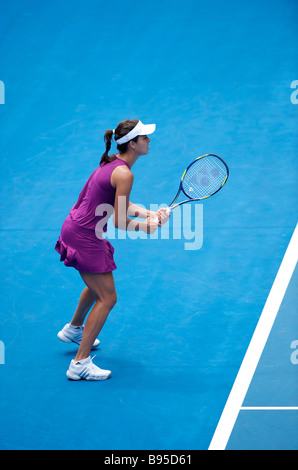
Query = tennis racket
x=203 y=178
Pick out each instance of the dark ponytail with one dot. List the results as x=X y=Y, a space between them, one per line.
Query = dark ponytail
x=108 y=140
x=121 y=130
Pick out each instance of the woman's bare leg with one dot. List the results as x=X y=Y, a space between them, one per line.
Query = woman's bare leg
x=103 y=288
x=86 y=301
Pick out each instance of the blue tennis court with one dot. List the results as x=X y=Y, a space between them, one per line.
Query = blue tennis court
x=203 y=341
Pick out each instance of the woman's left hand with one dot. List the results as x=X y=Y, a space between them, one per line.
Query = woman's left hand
x=163 y=216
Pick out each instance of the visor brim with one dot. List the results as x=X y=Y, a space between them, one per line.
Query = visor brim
x=147 y=129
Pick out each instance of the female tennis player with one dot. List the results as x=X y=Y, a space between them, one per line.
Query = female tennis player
x=81 y=246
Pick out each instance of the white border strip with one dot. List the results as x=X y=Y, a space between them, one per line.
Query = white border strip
x=270 y=408
x=256 y=346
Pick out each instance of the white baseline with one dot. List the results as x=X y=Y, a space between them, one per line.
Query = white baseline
x=256 y=346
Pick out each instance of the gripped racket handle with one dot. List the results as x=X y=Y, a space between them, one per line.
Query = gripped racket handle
x=168 y=209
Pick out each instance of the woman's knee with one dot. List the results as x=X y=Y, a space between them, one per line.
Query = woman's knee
x=109 y=301
x=103 y=288
x=113 y=299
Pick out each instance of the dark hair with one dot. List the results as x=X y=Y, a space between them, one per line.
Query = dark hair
x=123 y=128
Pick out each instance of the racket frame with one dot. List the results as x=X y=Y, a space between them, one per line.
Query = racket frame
x=189 y=199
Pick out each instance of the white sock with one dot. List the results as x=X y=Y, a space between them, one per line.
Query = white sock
x=75 y=328
x=82 y=361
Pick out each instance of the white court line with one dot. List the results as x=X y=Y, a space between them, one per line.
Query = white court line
x=256 y=346
x=270 y=408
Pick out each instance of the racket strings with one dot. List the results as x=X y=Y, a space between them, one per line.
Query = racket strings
x=204 y=177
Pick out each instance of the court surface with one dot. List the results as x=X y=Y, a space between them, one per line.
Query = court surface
x=215 y=77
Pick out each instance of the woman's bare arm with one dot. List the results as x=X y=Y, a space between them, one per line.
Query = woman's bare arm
x=122 y=180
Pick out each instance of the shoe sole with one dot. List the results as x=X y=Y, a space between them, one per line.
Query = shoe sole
x=64 y=339
x=75 y=377
x=72 y=376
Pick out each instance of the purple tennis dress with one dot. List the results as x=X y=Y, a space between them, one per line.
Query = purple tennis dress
x=80 y=243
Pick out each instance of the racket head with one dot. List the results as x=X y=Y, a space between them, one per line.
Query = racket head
x=205 y=176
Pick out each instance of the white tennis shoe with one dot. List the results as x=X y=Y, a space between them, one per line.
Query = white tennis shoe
x=86 y=370
x=74 y=334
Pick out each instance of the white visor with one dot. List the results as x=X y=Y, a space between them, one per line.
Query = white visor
x=139 y=129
